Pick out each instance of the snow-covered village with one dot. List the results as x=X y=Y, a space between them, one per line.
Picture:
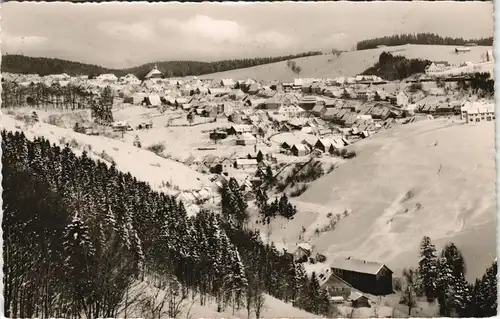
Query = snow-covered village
x=353 y=182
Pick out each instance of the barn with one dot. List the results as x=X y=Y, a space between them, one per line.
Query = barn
x=366 y=276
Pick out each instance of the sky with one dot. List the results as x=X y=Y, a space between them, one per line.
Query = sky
x=119 y=35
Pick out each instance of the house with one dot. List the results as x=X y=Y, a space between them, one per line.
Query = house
x=323 y=144
x=130 y=79
x=154 y=74
x=223 y=166
x=299 y=150
x=286 y=145
x=227 y=83
x=349 y=93
x=338 y=300
x=111 y=78
x=254 y=88
x=335 y=285
x=402 y=99
x=302 y=252
x=367 y=276
x=272 y=104
x=145 y=125
x=218 y=92
x=218 y=135
x=152 y=100
x=436 y=67
x=241 y=163
x=334 y=146
x=136 y=98
x=365 y=95
x=358 y=300
x=121 y=126
x=307 y=102
x=240 y=129
x=306 y=88
x=474 y=112
x=285 y=128
x=319 y=109
x=462 y=50
x=330 y=113
x=246 y=139
x=444 y=108
x=297 y=123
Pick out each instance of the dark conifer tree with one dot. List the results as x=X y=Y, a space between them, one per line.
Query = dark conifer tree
x=428 y=267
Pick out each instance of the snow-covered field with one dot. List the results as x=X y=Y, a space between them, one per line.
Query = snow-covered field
x=182 y=141
x=445 y=169
x=350 y=63
x=141 y=163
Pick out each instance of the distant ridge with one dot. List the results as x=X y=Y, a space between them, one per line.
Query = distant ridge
x=420 y=38
x=45 y=66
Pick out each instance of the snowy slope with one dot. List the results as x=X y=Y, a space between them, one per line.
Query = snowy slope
x=448 y=168
x=349 y=63
x=142 y=164
x=273 y=308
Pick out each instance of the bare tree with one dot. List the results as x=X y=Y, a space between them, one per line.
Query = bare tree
x=176 y=298
x=131 y=301
x=153 y=305
x=258 y=303
x=410 y=290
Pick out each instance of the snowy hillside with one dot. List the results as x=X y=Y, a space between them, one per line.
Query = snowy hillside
x=142 y=164
x=434 y=178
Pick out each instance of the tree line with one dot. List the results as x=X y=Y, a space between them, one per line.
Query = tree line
x=78 y=234
x=419 y=38
x=479 y=83
x=441 y=278
x=395 y=67
x=45 y=66
x=69 y=97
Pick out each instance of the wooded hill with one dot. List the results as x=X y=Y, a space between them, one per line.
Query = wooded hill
x=44 y=66
x=78 y=234
x=419 y=38
x=390 y=67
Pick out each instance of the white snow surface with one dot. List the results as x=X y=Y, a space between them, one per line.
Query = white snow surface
x=140 y=163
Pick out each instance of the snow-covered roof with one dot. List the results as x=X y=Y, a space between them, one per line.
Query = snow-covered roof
x=305 y=246
x=246 y=161
x=154 y=71
x=360 y=266
x=355 y=295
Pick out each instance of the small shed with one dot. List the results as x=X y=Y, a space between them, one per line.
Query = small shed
x=358 y=300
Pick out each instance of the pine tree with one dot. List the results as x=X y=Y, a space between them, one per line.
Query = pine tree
x=485 y=293
x=79 y=261
x=313 y=291
x=428 y=268
x=461 y=296
x=325 y=304
x=444 y=284
x=455 y=259
x=240 y=209
x=269 y=175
